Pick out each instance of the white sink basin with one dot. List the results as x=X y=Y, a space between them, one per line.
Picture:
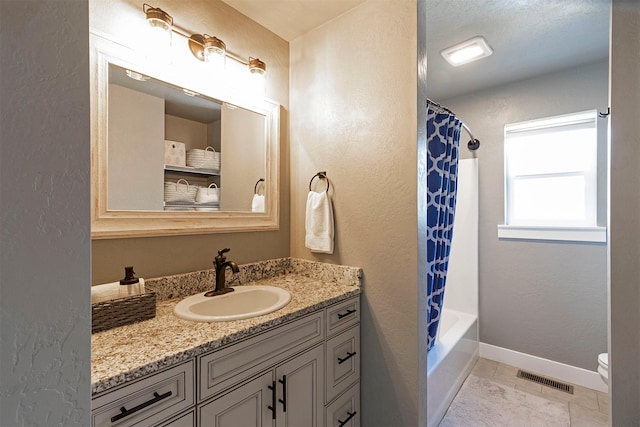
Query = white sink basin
x=243 y=303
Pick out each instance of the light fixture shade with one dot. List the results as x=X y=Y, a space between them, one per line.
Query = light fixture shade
x=158 y=18
x=257 y=67
x=213 y=47
x=159 y=34
x=257 y=71
x=467 y=51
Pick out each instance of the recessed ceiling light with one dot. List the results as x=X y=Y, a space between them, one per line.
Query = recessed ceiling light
x=467 y=51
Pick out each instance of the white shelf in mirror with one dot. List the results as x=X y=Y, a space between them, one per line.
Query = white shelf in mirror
x=190 y=169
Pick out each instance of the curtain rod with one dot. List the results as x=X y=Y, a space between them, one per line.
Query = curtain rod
x=473 y=143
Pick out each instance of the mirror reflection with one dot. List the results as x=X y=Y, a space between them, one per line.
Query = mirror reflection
x=170 y=149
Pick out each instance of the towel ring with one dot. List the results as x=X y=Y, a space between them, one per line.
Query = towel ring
x=255 y=187
x=321 y=175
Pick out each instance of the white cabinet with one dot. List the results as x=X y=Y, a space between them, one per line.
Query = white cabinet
x=290 y=395
x=342 y=361
x=247 y=405
x=301 y=384
x=303 y=373
x=229 y=366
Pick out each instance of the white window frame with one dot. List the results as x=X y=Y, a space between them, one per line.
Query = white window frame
x=582 y=231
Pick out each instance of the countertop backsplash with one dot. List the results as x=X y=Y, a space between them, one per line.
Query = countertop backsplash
x=183 y=285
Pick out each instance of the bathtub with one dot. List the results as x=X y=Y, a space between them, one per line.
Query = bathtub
x=456 y=350
x=450 y=361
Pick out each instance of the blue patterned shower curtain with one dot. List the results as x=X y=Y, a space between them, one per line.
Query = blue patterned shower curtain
x=443 y=140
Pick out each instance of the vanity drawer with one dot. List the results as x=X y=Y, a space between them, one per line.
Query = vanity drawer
x=223 y=368
x=345 y=410
x=342 y=315
x=148 y=401
x=183 y=420
x=342 y=358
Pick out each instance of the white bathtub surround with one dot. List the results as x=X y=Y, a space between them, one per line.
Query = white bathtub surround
x=456 y=351
x=461 y=293
x=545 y=367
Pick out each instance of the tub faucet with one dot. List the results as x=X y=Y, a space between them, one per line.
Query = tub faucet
x=222 y=264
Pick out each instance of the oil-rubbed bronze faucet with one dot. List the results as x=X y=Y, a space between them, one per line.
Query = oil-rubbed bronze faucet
x=221 y=264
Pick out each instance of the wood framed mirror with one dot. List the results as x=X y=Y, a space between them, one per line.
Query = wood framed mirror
x=141 y=188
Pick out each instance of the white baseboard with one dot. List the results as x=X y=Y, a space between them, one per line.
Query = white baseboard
x=545 y=367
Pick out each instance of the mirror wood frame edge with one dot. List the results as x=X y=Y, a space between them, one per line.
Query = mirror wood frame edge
x=107 y=224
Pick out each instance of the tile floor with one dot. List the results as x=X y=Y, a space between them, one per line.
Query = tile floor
x=494 y=396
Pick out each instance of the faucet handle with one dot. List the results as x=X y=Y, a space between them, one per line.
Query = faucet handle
x=221 y=258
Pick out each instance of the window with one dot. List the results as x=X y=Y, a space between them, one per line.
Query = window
x=551 y=179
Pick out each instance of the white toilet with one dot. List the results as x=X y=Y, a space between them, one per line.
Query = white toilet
x=603 y=366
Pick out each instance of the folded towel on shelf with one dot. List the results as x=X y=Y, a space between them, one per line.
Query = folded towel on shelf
x=257 y=204
x=115 y=290
x=319 y=223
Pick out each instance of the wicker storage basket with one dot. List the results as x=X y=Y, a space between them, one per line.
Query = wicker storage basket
x=179 y=191
x=122 y=311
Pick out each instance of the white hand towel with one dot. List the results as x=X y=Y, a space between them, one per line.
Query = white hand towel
x=257 y=204
x=319 y=223
x=115 y=290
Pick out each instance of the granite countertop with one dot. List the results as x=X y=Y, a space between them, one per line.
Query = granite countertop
x=129 y=352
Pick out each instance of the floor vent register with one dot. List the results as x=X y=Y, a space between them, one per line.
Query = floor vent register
x=567 y=388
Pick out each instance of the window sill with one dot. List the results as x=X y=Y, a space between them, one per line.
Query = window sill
x=566 y=234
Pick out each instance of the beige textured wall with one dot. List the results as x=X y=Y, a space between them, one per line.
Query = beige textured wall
x=121 y=19
x=353 y=114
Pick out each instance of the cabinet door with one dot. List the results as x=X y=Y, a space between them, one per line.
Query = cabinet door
x=300 y=384
x=246 y=406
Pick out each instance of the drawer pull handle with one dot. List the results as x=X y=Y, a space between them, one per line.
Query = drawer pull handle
x=272 y=407
x=343 y=423
x=124 y=412
x=342 y=315
x=283 y=381
x=349 y=356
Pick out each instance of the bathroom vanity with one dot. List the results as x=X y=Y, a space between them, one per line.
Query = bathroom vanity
x=299 y=365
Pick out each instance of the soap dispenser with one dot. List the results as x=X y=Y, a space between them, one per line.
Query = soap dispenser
x=129 y=277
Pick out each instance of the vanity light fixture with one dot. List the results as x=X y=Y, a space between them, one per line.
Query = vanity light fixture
x=161 y=22
x=257 y=67
x=257 y=70
x=203 y=47
x=467 y=51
